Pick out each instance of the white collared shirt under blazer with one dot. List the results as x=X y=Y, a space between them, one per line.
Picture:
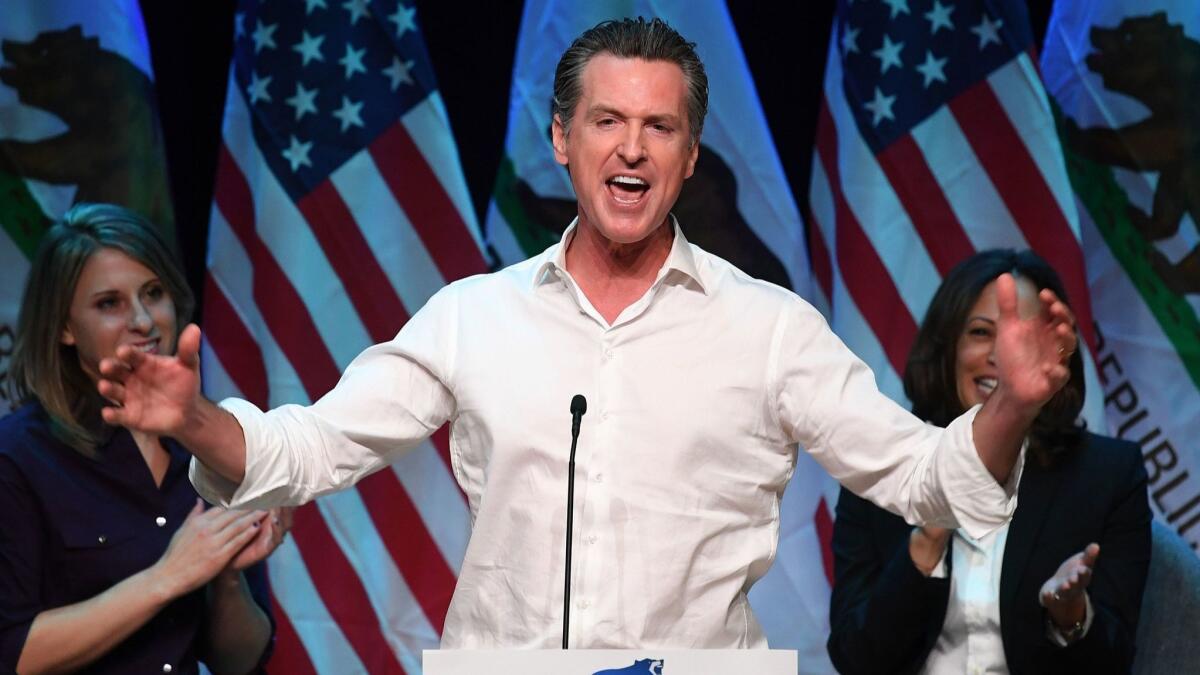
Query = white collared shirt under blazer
x=698 y=396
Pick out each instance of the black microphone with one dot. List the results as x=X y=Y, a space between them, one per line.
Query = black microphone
x=578 y=408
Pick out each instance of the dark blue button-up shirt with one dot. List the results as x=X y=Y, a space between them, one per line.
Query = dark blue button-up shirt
x=72 y=526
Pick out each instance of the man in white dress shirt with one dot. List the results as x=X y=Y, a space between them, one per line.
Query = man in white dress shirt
x=701 y=382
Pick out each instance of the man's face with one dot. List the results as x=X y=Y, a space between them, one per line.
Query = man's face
x=628 y=150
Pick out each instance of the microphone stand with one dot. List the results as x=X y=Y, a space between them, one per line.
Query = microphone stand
x=578 y=408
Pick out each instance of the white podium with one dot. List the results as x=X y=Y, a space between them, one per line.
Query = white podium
x=609 y=662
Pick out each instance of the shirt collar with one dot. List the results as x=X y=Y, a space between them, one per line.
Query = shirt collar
x=681 y=258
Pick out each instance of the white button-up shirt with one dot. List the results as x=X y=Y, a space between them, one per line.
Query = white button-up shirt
x=698 y=395
x=970 y=640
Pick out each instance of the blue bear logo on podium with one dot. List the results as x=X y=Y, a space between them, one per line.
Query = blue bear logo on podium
x=639 y=667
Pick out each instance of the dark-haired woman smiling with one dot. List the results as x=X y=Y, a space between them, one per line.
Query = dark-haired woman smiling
x=1056 y=590
x=108 y=560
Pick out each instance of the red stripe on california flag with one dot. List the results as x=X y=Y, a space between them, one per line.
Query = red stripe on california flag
x=277 y=300
x=922 y=198
x=233 y=344
x=818 y=255
x=368 y=287
x=1028 y=198
x=425 y=202
x=342 y=591
x=289 y=655
x=863 y=272
x=824 y=525
x=414 y=551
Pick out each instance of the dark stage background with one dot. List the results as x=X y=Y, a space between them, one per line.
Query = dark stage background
x=472 y=47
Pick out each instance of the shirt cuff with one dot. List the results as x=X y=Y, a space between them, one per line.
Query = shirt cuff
x=256 y=489
x=1056 y=636
x=978 y=502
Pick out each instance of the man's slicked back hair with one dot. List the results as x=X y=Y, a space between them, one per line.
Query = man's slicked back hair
x=638 y=38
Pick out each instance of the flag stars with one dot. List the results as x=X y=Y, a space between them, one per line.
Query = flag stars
x=988 y=31
x=310 y=5
x=297 y=154
x=881 y=107
x=399 y=71
x=264 y=36
x=898 y=7
x=405 y=20
x=352 y=61
x=933 y=69
x=888 y=54
x=303 y=101
x=939 y=17
x=350 y=114
x=258 y=89
x=357 y=9
x=850 y=40
x=309 y=48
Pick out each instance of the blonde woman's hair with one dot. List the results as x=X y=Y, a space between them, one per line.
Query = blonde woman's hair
x=42 y=367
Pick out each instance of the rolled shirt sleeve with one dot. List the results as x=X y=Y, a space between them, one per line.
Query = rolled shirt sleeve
x=827 y=401
x=391 y=397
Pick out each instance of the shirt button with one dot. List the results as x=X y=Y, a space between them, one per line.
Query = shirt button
x=608 y=353
x=591 y=539
x=160 y=521
x=603 y=414
x=599 y=478
x=584 y=604
x=167 y=668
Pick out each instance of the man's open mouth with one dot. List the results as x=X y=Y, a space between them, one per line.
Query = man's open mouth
x=627 y=189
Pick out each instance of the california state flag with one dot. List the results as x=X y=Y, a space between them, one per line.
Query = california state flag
x=1126 y=77
x=78 y=122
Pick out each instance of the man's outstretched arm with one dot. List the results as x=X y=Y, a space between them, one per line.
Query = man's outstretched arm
x=161 y=395
x=1032 y=355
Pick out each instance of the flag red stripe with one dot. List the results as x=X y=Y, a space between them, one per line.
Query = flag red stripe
x=922 y=198
x=1025 y=193
x=289 y=655
x=233 y=344
x=368 y=287
x=416 y=554
x=824 y=524
x=818 y=256
x=863 y=272
x=441 y=442
x=429 y=209
x=342 y=591
x=408 y=556
x=277 y=300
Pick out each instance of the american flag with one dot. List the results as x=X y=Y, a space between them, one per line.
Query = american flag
x=935 y=140
x=340 y=208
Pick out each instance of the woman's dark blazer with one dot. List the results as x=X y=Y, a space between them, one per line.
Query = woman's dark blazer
x=885 y=616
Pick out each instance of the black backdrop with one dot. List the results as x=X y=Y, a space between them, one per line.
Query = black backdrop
x=472 y=45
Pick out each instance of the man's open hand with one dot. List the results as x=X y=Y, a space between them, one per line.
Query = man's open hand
x=152 y=393
x=1032 y=352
